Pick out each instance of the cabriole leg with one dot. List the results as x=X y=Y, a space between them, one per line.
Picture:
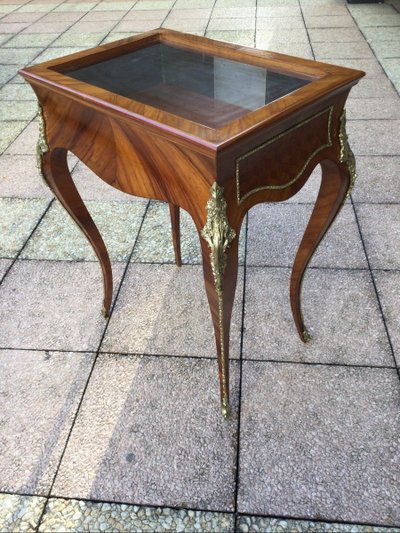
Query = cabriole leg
x=56 y=173
x=220 y=265
x=335 y=183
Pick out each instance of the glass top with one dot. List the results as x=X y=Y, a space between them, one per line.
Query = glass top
x=205 y=89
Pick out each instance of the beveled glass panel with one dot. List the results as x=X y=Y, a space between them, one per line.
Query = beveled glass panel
x=203 y=88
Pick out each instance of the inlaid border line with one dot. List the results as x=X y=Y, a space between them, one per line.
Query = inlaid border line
x=274 y=139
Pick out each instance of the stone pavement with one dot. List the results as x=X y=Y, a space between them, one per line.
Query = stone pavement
x=114 y=425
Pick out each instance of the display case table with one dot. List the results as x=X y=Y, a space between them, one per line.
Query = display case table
x=208 y=127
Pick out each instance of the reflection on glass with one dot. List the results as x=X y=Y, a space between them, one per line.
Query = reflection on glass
x=206 y=89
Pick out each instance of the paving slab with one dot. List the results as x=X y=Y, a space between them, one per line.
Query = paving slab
x=18 y=217
x=371 y=67
x=163 y=309
x=219 y=24
x=18 y=56
x=113 y=5
x=58 y=238
x=36 y=419
x=231 y=12
x=14 y=110
x=294 y=49
x=281 y=525
x=75 y=6
x=150 y=431
x=267 y=23
x=335 y=35
x=320 y=442
x=4 y=37
x=26 y=142
x=161 y=4
x=373 y=108
x=245 y=37
x=56 y=52
x=140 y=25
x=20 y=513
x=10 y=130
x=20 y=178
x=83 y=40
x=47 y=27
x=377 y=180
x=392 y=69
x=116 y=36
x=380 y=87
x=155 y=14
x=12 y=27
x=388 y=285
x=278 y=11
x=13 y=91
x=272 y=3
x=381 y=234
x=340 y=310
x=72 y=16
x=386 y=49
x=102 y=15
x=345 y=50
x=28 y=40
x=285 y=36
x=373 y=34
x=275 y=232
x=374 y=137
x=68 y=515
x=40 y=6
x=328 y=8
x=53 y=305
x=378 y=19
x=15 y=16
x=334 y=21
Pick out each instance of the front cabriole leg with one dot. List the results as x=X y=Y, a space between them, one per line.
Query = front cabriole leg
x=53 y=167
x=220 y=264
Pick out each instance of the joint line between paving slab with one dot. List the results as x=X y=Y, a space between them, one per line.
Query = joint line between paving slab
x=306 y=28
x=376 y=290
x=333 y=269
x=142 y=355
x=237 y=480
x=313 y=363
x=218 y=512
x=209 y=18
x=26 y=241
x=90 y=373
x=319 y=521
x=372 y=50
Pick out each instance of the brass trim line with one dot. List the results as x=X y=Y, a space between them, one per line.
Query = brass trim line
x=346 y=155
x=42 y=147
x=274 y=139
x=219 y=235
